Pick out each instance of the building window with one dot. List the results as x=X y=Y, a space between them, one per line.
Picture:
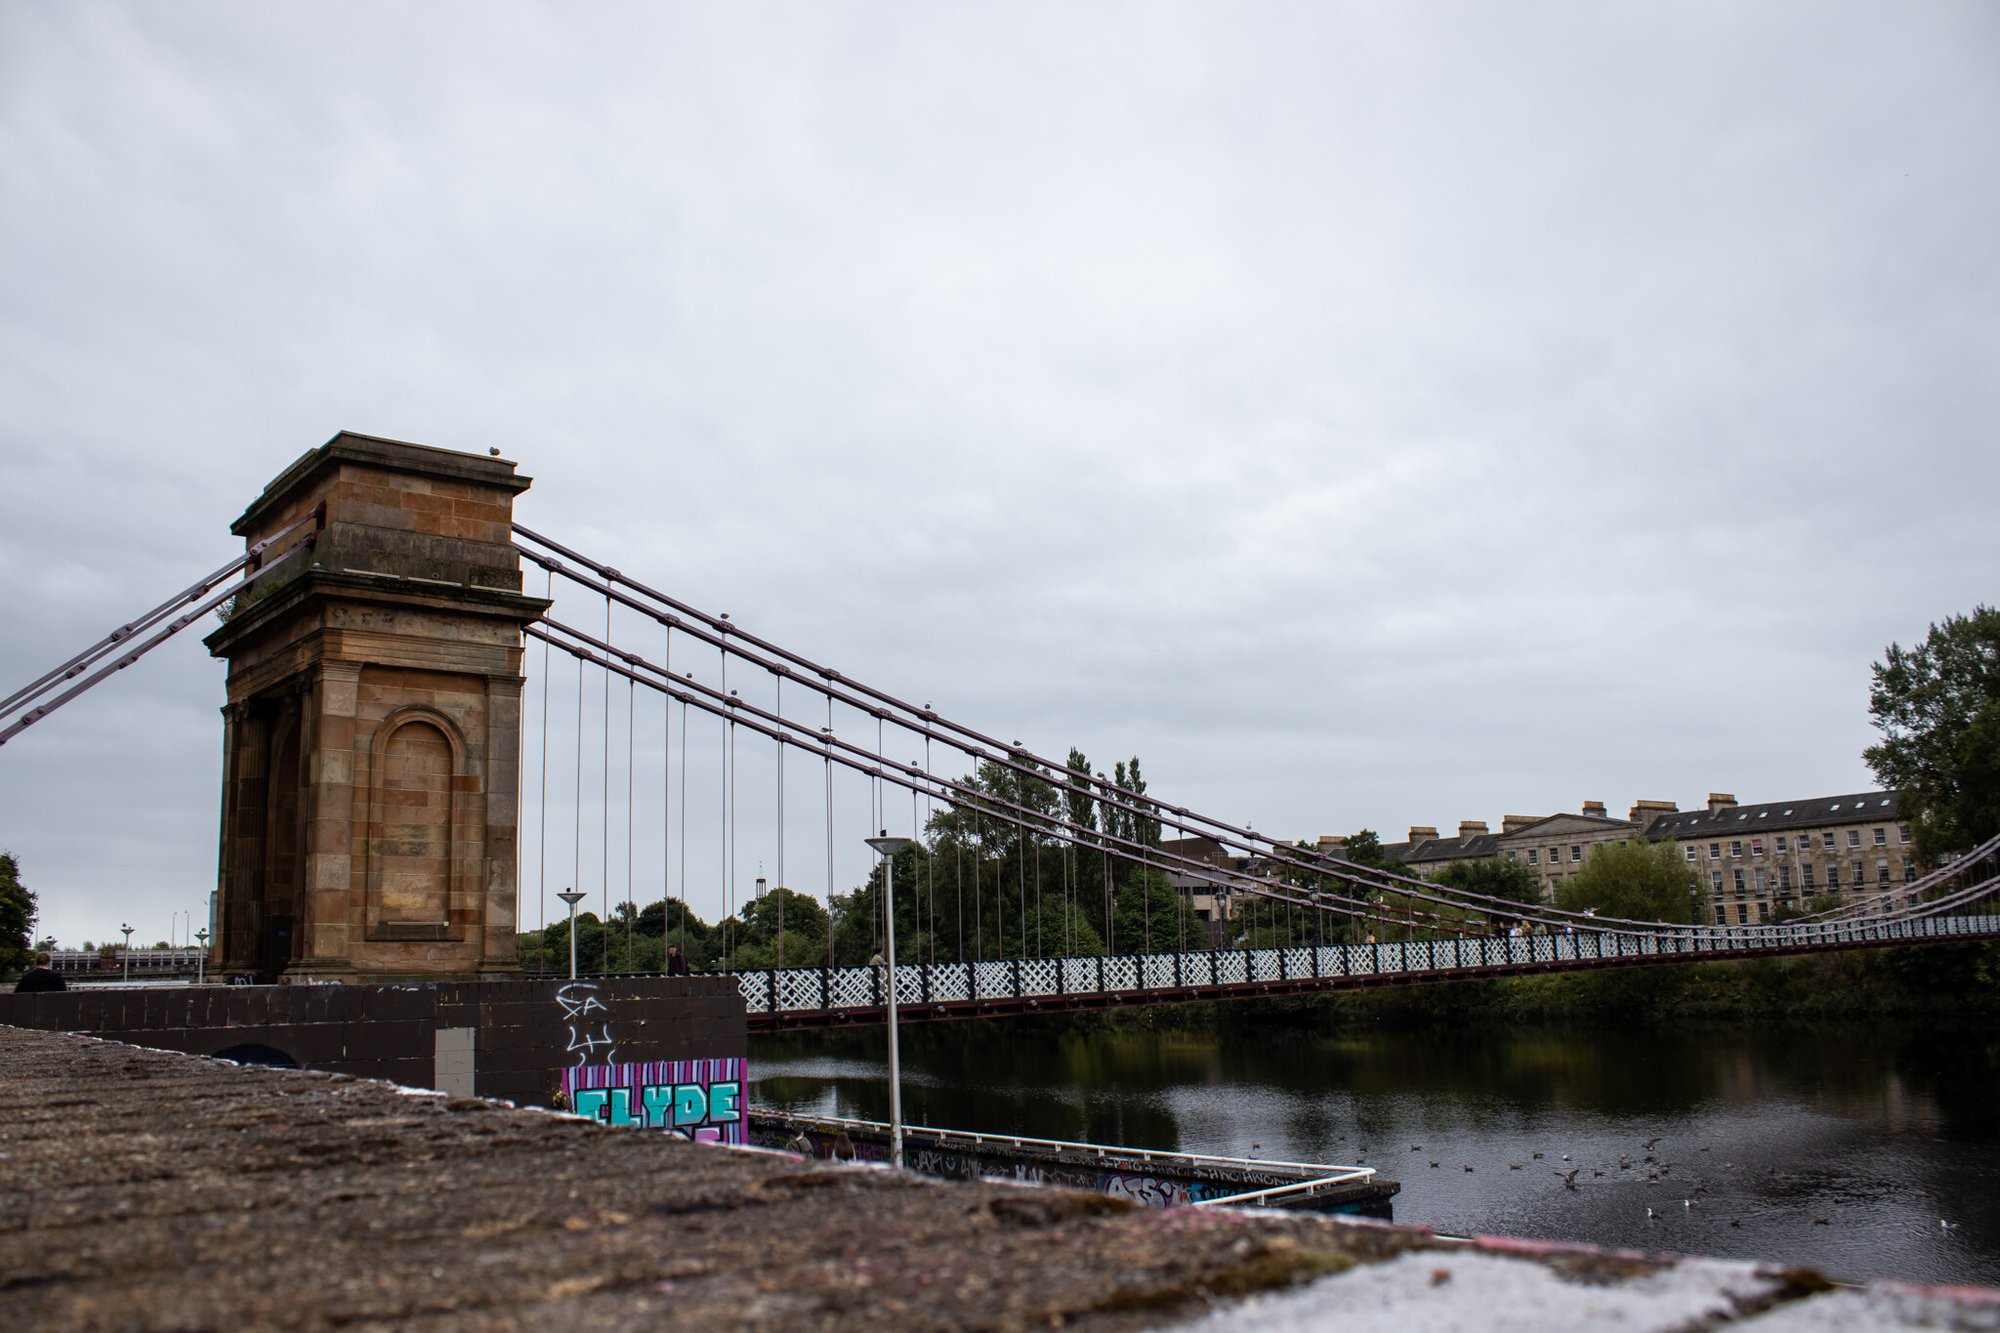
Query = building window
x=1739 y=879
x=1909 y=870
x=1576 y=851
x=1859 y=879
x=1854 y=837
x=1722 y=914
x=1763 y=912
x=1805 y=874
x=1781 y=843
x=1715 y=876
x=1902 y=833
x=1833 y=874
x=1743 y=914
x=1760 y=879
x=1690 y=852
x=1882 y=870
x=1715 y=851
x=1826 y=840
x=1784 y=877
x=1736 y=848
x=1756 y=846
x=1881 y=837
x=1531 y=856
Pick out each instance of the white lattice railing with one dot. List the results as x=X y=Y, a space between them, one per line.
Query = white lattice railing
x=813 y=990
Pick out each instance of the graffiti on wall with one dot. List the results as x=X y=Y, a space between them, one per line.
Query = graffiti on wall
x=588 y=1020
x=1140 y=1186
x=697 y=1099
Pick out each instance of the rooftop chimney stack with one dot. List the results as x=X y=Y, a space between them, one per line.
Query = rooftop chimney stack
x=1718 y=801
x=1469 y=829
x=1594 y=809
x=1645 y=812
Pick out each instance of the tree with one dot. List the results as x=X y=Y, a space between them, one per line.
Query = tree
x=1937 y=706
x=1363 y=848
x=1640 y=881
x=1495 y=877
x=17 y=917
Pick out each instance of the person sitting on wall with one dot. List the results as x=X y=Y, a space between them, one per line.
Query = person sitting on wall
x=40 y=977
x=677 y=963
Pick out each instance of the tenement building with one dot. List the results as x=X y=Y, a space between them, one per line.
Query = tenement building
x=1752 y=860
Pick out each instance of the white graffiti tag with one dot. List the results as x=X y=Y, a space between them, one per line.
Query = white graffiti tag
x=587 y=1037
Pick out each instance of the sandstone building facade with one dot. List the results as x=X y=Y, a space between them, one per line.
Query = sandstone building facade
x=1751 y=860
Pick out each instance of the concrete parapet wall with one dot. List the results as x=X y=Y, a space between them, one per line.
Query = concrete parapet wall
x=523 y=1033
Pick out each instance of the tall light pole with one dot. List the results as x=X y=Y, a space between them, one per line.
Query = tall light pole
x=201 y=959
x=128 y=951
x=572 y=897
x=886 y=847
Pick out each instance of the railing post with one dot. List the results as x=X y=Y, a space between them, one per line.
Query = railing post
x=770 y=990
x=1014 y=966
x=825 y=990
x=924 y=981
x=1100 y=974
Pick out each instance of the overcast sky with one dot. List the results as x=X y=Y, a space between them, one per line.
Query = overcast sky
x=1368 y=414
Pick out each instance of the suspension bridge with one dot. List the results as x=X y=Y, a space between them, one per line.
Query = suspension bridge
x=418 y=735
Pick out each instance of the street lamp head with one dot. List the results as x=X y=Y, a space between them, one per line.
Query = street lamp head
x=887 y=845
x=202 y=936
x=572 y=896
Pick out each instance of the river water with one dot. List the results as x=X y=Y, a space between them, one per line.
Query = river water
x=1840 y=1148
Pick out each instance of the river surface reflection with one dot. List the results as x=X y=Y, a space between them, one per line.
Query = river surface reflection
x=1842 y=1148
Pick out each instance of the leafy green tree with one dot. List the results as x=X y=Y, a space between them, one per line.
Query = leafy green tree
x=1640 y=881
x=17 y=917
x=755 y=936
x=1149 y=915
x=1364 y=848
x=1495 y=877
x=1937 y=706
x=1813 y=906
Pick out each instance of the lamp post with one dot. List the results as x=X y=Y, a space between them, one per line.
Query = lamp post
x=886 y=847
x=572 y=897
x=128 y=951
x=781 y=920
x=201 y=959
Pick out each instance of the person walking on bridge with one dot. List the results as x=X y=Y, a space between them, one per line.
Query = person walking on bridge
x=40 y=977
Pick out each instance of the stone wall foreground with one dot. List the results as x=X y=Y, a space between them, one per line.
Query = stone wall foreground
x=150 y=1189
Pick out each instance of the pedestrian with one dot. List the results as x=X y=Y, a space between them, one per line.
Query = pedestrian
x=677 y=963
x=40 y=977
x=843 y=1147
x=800 y=1144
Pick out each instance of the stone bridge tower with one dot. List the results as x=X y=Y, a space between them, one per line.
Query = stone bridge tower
x=372 y=746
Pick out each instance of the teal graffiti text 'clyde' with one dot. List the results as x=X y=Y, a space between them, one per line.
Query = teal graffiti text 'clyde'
x=663 y=1105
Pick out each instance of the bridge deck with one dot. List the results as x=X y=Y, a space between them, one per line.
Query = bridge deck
x=806 y=997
